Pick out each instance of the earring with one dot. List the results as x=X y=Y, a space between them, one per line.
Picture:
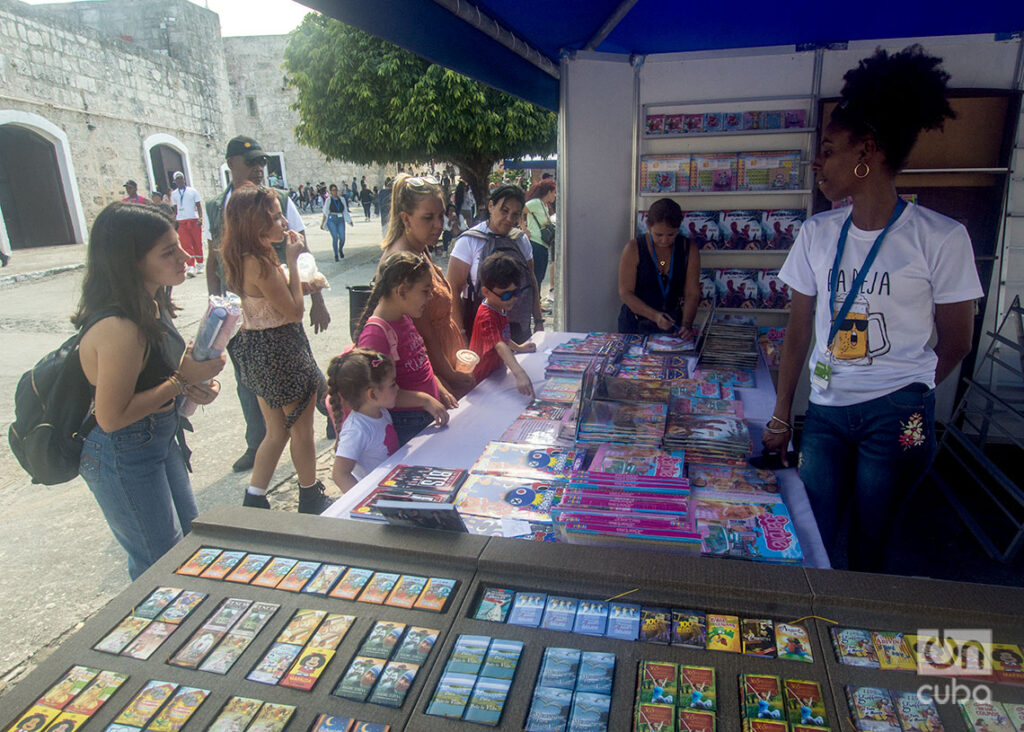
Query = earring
x=867 y=170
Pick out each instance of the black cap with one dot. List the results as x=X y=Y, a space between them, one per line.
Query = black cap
x=131 y=183
x=245 y=146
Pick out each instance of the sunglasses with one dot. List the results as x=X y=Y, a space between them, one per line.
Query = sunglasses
x=257 y=162
x=421 y=181
x=508 y=295
x=861 y=325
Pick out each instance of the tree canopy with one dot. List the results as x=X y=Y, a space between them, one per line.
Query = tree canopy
x=365 y=100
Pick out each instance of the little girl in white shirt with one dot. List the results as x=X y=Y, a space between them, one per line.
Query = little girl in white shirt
x=362 y=381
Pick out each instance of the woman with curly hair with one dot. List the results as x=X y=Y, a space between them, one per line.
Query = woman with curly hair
x=870 y=283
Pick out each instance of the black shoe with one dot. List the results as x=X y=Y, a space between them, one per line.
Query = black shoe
x=245 y=462
x=342 y=255
x=335 y=257
x=4 y=259
x=253 y=501
x=312 y=499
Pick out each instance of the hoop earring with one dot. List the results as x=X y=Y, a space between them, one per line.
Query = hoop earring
x=867 y=170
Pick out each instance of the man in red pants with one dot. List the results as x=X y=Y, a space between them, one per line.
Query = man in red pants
x=188 y=210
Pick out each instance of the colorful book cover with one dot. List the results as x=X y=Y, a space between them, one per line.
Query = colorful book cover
x=407 y=590
x=636 y=460
x=351 y=584
x=72 y=683
x=674 y=124
x=359 y=678
x=772 y=120
x=752 y=119
x=589 y=712
x=301 y=626
x=275 y=663
x=326 y=723
x=248 y=568
x=591 y=618
x=149 y=640
x=324 y=579
x=332 y=631
x=436 y=594
x=239 y=711
x=658 y=683
x=805 y=704
x=775 y=170
x=758 y=637
x=723 y=633
x=379 y=587
x=176 y=713
x=1007 y=663
x=759 y=531
x=623 y=621
x=872 y=709
x=424 y=478
x=713 y=171
x=656 y=625
x=697 y=688
x=382 y=639
x=793 y=643
x=1016 y=714
x=596 y=673
x=274 y=572
x=772 y=292
x=692 y=720
x=416 y=645
x=182 y=607
x=664 y=173
x=987 y=716
x=781 y=227
x=854 y=647
x=559 y=613
x=96 y=694
x=892 y=652
x=741 y=230
x=654 y=718
x=495 y=496
x=559 y=667
x=693 y=123
x=794 y=118
x=502 y=659
x=124 y=633
x=712 y=121
x=199 y=561
x=702 y=228
x=732 y=121
x=524 y=461
x=395 y=682
x=145 y=704
x=272 y=718
x=35 y=718
x=549 y=709
x=689 y=629
x=917 y=712
x=655 y=124
x=494 y=605
x=736 y=288
x=762 y=697
x=299 y=575
x=158 y=599
x=487 y=701
x=451 y=695
x=467 y=654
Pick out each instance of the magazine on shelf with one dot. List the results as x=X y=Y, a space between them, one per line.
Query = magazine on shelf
x=741 y=230
x=713 y=171
x=773 y=293
x=736 y=288
x=775 y=170
x=781 y=227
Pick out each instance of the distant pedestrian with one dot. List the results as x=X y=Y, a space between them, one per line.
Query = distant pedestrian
x=366 y=198
x=335 y=216
x=188 y=210
x=385 y=205
x=131 y=189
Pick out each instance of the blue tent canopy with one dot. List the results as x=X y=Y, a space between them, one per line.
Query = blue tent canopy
x=475 y=39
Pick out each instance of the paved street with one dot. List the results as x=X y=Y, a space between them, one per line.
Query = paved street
x=60 y=562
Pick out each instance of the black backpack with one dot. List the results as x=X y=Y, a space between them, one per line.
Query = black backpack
x=523 y=308
x=52 y=413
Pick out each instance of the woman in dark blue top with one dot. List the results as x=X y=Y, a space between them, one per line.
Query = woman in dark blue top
x=659 y=276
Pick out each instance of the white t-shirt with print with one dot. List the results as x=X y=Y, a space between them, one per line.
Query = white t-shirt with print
x=926 y=259
x=366 y=440
x=467 y=249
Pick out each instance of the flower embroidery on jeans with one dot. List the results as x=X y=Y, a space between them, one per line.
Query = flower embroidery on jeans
x=913 y=431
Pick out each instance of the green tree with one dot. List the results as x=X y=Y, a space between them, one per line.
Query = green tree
x=367 y=101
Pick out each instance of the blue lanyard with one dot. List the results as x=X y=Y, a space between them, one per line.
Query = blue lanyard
x=858 y=281
x=181 y=196
x=664 y=283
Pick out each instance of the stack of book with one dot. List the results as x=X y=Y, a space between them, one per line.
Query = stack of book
x=729 y=345
x=713 y=438
x=635 y=460
x=417 y=483
x=757 y=528
x=561 y=389
x=626 y=422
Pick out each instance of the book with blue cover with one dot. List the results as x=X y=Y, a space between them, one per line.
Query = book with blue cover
x=559 y=667
x=591 y=618
x=623 y=621
x=559 y=613
x=527 y=609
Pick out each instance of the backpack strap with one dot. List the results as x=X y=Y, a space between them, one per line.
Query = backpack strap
x=388 y=331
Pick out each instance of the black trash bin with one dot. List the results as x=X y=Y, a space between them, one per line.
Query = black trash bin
x=358 y=296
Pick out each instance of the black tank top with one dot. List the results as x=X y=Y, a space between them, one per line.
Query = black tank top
x=649 y=281
x=162 y=356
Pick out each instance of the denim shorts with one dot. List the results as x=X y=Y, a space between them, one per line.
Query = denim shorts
x=139 y=479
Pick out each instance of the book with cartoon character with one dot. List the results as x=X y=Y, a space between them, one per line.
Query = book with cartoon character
x=525 y=461
x=496 y=496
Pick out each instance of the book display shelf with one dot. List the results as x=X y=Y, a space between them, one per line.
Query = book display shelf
x=740 y=170
x=482 y=568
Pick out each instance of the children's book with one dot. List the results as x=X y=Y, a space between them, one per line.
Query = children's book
x=379 y=587
x=1016 y=714
x=702 y=228
x=422 y=477
x=274 y=572
x=306 y=670
x=674 y=124
x=351 y=583
x=199 y=561
x=772 y=292
x=697 y=688
x=854 y=647
x=713 y=122
x=768 y=171
x=301 y=626
x=693 y=123
x=917 y=712
x=656 y=625
x=805 y=705
x=496 y=496
x=723 y=633
x=248 y=568
x=239 y=711
x=655 y=124
x=275 y=663
x=494 y=604
x=273 y=718
x=436 y=594
x=297 y=578
x=872 y=709
x=758 y=637
x=657 y=683
x=736 y=288
x=781 y=227
x=793 y=643
x=406 y=591
x=689 y=629
x=322 y=723
x=756 y=530
x=664 y=173
x=794 y=118
x=892 y=652
x=1007 y=662
x=987 y=716
x=524 y=461
x=559 y=667
x=741 y=230
x=762 y=697
x=713 y=171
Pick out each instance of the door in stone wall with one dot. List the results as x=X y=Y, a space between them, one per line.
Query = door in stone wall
x=166 y=161
x=35 y=210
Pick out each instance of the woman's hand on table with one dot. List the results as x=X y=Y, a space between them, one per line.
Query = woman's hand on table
x=447 y=399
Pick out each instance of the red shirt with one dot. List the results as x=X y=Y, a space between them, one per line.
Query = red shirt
x=413 y=371
x=489 y=329
x=136 y=199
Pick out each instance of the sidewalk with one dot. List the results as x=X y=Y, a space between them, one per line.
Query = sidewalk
x=39 y=262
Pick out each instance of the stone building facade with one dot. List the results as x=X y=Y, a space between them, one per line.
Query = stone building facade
x=95 y=93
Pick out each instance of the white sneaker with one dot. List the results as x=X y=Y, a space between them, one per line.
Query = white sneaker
x=200 y=268
x=190 y=271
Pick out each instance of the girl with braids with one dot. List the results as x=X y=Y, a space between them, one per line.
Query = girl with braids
x=271 y=350
x=401 y=293
x=364 y=381
x=417 y=220
x=871 y=283
x=131 y=353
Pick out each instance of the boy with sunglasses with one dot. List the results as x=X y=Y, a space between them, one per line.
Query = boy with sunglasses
x=492 y=341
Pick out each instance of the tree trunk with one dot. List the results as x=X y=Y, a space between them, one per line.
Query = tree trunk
x=476 y=172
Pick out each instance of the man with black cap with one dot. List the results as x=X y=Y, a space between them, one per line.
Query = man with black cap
x=132 y=189
x=246 y=160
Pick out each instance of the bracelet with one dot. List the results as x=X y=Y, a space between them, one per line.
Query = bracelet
x=179 y=382
x=771 y=431
x=781 y=421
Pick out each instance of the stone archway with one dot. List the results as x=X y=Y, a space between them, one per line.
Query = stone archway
x=166 y=154
x=39 y=202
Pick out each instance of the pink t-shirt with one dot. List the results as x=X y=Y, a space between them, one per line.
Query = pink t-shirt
x=413 y=371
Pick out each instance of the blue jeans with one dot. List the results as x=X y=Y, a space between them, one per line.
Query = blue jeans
x=863 y=460
x=409 y=423
x=138 y=476
x=336 y=225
